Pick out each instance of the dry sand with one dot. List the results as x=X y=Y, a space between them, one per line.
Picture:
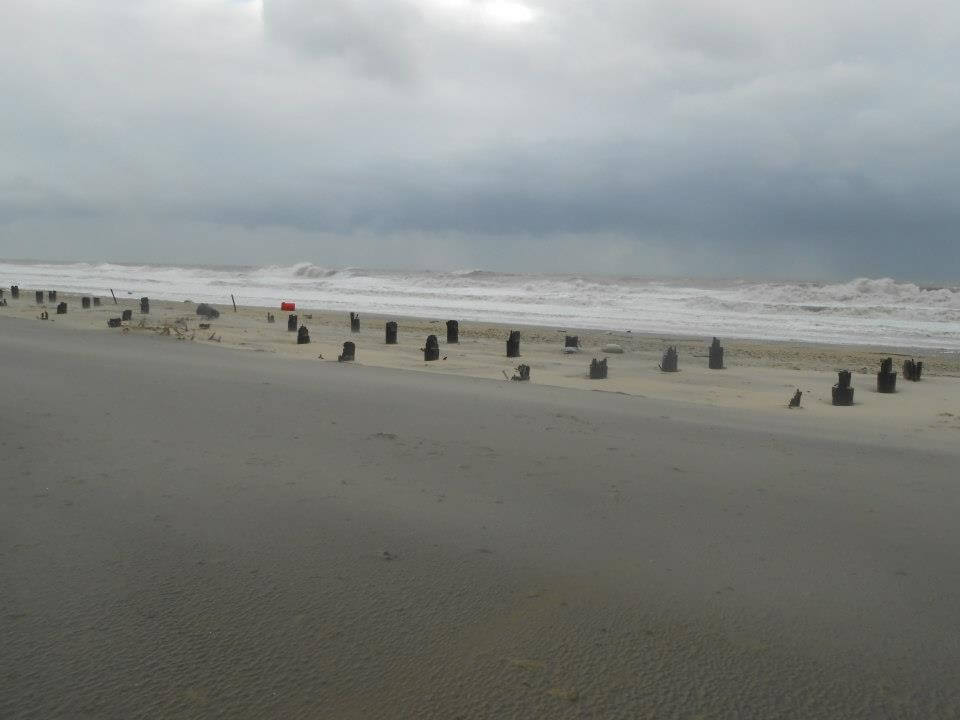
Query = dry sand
x=190 y=532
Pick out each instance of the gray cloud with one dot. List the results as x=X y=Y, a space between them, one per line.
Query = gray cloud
x=669 y=137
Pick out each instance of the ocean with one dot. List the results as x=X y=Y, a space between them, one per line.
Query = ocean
x=869 y=311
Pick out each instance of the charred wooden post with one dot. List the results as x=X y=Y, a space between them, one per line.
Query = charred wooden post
x=453 y=332
x=39 y=297
x=842 y=392
x=795 y=400
x=912 y=370
x=886 y=378
x=716 y=355
x=113 y=322
x=354 y=322
x=15 y=292
x=96 y=302
x=391 y=333
x=523 y=373
x=431 y=351
x=271 y=318
x=62 y=309
x=571 y=341
x=513 y=344
x=598 y=369
x=670 y=358
x=349 y=352
x=303 y=335
x=85 y=303
x=52 y=295
x=127 y=315
x=144 y=306
x=292 y=323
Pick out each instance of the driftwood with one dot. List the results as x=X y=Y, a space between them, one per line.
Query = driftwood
x=523 y=373
x=886 y=378
x=431 y=350
x=716 y=355
x=842 y=392
x=795 y=400
x=669 y=362
x=513 y=344
x=391 y=333
x=204 y=326
x=354 y=322
x=303 y=335
x=598 y=369
x=349 y=352
x=912 y=370
x=453 y=332
x=292 y=323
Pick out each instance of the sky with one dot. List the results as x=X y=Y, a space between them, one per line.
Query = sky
x=676 y=137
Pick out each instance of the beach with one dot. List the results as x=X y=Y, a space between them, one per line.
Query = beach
x=240 y=528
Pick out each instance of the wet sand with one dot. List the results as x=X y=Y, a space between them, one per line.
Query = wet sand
x=190 y=532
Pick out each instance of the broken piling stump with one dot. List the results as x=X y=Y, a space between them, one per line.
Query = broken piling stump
x=669 y=361
x=127 y=315
x=431 y=351
x=15 y=292
x=795 y=400
x=292 y=323
x=113 y=322
x=886 y=378
x=354 y=322
x=842 y=392
x=39 y=297
x=207 y=311
x=571 y=341
x=912 y=370
x=271 y=318
x=391 y=333
x=52 y=295
x=303 y=335
x=598 y=369
x=85 y=303
x=96 y=302
x=716 y=355
x=513 y=344
x=144 y=306
x=523 y=373
x=62 y=309
x=453 y=332
x=349 y=352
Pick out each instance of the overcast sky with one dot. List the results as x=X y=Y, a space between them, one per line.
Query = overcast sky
x=762 y=137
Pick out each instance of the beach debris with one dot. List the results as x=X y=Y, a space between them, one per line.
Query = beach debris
x=912 y=370
x=127 y=315
x=303 y=336
x=669 y=361
x=213 y=338
x=114 y=322
x=208 y=311
x=795 y=400
x=453 y=332
x=85 y=303
x=115 y=301
x=44 y=315
x=51 y=295
x=144 y=306
x=598 y=369
x=886 y=378
x=571 y=342
x=612 y=348
x=387 y=555
x=431 y=350
x=39 y=297
x=349 y=352
x=234 y=301
x=716 y=355
x=62 y=309
x=204 y=326
x=391 y=333
x=270 y=318
x=513 y=344
x=354 y=322
x=288 y=306
x=292 y=323
x=14 y=292
x=842 y=392
x=96 y=301
x=523 y=373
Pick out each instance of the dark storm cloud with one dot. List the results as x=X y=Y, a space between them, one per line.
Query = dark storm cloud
x=684 y=136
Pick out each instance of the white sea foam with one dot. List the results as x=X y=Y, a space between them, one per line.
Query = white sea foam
x=867 y=311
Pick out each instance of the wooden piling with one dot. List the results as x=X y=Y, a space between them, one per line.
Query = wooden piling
x=431 y=350
x=391 y=333
x=513 y=344
x=453 y=332
x=842 y=392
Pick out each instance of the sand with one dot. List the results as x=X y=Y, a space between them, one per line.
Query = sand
x=191 y=532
